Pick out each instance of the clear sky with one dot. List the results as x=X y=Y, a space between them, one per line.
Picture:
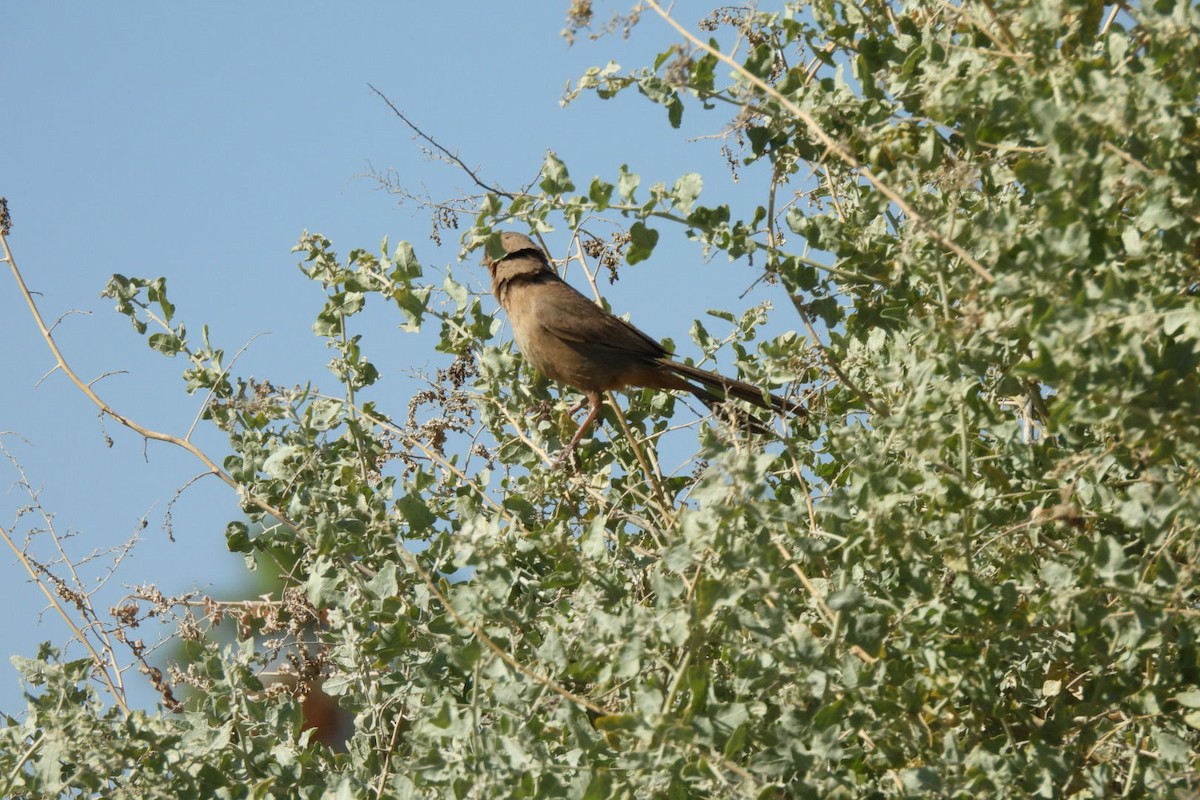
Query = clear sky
x=197 y=143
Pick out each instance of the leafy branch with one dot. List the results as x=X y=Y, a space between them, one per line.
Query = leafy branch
x=830 y=144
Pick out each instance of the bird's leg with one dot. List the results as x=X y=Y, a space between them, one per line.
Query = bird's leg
x=597 y=402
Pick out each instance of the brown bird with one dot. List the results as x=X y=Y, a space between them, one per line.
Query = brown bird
x=570 y=339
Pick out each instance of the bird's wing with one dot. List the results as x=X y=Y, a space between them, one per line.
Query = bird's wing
x=573 y=318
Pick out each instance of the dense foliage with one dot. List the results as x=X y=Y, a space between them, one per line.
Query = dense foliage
x=971 y=571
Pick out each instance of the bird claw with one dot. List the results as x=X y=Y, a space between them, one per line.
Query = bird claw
x=573 y=410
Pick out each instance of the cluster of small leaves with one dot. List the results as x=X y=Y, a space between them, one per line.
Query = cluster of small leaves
x=971 y=573
x=5 y=217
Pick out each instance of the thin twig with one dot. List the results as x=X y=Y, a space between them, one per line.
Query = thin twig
x=475 y=177
x=1112 y=15
x=39 y=577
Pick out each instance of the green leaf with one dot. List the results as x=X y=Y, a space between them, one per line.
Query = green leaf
x=686 y=190
x=237 y=537
x=619 y=722
x=555 y=180
x=281 y=463
x=600 y=787
x=845 y=599
x=922 y=780
x=760 y=62
x=416 y=512
x=600 y=193
x=384 y=584
x=737 y=742
x=166 y=343
x=404 y=261
x=642 y=243
x=1172 y=749
x=325 y=414
x=627 y=183
x=1111 y=561
x=156 y=292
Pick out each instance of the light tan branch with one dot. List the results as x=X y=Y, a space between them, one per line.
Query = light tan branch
x=86 y=387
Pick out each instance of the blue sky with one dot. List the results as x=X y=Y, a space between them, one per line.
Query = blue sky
x=197 y=143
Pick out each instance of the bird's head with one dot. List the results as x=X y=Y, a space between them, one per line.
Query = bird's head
x=507 y=245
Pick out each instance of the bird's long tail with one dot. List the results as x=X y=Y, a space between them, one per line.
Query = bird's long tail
x=717 y=388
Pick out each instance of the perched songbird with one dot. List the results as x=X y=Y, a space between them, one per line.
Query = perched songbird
x=571 y=339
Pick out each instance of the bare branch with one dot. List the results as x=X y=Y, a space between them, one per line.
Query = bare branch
x=452 y=156
x=106 y=409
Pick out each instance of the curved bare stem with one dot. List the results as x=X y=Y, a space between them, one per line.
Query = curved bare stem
x=86 y=387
